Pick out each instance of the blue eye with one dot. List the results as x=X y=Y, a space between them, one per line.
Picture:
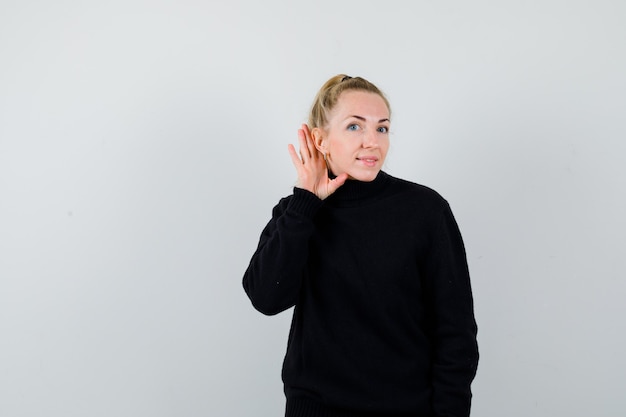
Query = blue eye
x=353 y=127
x=383 y=129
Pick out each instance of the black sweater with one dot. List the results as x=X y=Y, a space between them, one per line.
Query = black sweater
x=383 y=321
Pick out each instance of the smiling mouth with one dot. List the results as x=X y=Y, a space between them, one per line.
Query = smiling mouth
x=369 y=161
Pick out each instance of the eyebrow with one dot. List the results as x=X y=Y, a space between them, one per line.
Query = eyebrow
x=363 y=118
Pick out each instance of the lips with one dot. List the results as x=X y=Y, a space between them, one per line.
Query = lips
x=368 y=160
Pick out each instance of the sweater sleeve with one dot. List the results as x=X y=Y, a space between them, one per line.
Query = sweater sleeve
x=452 y=318
x=274 y=275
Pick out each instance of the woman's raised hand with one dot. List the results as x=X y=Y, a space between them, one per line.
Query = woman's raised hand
x=311 y=167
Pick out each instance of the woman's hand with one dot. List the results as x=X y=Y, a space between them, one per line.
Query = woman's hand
x=311 y=167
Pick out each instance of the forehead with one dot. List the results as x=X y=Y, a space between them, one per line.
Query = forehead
x=360 y=103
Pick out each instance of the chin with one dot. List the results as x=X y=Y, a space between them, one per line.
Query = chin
x=364 y=176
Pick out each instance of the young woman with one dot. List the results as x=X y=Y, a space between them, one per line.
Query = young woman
x=375 y=266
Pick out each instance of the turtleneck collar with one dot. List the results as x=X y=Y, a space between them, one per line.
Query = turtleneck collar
x=354 y=192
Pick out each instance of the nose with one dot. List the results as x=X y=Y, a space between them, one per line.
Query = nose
x=370 y=138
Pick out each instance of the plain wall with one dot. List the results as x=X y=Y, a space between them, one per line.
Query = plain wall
x=143 y=145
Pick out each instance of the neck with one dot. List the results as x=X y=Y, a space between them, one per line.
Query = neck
x=354 y=192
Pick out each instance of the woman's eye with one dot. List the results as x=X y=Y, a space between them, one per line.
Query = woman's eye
x=353 y=127
x=383 y=129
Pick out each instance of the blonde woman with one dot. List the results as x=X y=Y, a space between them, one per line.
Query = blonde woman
x=375 y=266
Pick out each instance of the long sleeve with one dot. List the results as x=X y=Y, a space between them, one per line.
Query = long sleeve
x=277 y=268
x=452 y=319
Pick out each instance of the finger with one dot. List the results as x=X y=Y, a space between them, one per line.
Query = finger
x=337 y=182
x=305 y=129
x=304 y=149
x=295 y=159
x=309 y=140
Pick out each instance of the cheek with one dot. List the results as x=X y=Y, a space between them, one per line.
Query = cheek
x=339 y=148
x=384 y=146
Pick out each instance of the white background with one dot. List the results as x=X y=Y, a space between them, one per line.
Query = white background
x=144 y=143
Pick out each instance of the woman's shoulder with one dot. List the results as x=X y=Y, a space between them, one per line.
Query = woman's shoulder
x=414 y=191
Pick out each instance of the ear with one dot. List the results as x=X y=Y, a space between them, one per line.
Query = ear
x=319 y=139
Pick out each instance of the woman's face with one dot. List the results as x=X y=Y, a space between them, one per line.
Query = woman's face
x=356 y=138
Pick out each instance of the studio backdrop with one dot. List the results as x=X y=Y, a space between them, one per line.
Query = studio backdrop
x=143 y=145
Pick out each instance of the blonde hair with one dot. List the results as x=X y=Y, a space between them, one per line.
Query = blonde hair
x=327 y=97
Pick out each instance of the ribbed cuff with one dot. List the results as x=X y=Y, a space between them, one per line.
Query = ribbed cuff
x=304 y=202
x=305 y=407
